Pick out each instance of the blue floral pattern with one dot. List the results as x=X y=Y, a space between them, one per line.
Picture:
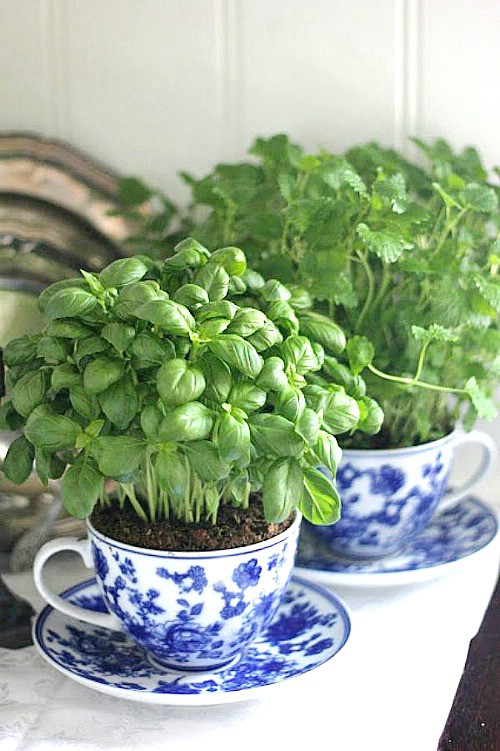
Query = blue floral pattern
x=193 y=611
x=385 y=504
x=310 y=627
x=452 y=535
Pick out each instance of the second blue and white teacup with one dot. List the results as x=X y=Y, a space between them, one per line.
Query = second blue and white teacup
x=390 y=495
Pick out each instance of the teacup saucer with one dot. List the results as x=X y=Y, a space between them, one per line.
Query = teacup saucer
x=311 y=626
x=453 y=536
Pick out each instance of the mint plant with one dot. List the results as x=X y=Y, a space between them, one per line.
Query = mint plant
x=162 y=377
x=404 y=259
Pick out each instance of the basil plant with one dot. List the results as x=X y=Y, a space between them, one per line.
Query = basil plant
x=163 y=377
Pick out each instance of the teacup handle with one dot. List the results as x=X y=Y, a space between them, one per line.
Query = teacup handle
x=490 y=452
x=82 y=547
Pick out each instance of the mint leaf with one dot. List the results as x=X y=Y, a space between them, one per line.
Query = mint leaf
x=132 y=191
x=484 y=406
x=480 y=198
x=385 y=244
x=490 y=290
x=435 y=332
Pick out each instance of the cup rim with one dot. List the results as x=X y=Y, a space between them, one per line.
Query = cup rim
x=405 y=450
x=201 y=554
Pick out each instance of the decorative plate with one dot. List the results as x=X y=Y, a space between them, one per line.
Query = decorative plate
x=57 y=212
x=452 y=536
x=311 y=626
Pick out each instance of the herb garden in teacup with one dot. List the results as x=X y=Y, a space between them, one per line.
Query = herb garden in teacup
x=166 y=394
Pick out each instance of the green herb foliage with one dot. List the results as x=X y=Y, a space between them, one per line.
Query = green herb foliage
x=150 y=376
x=404 y=258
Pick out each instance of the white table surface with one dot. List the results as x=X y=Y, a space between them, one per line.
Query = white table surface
x=391 y=688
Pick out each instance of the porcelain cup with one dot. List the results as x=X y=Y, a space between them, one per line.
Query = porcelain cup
x=390 y=495
x=190 y=611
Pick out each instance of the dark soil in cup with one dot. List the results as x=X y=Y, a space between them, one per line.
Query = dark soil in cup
x=236 y=527
x=384 y=440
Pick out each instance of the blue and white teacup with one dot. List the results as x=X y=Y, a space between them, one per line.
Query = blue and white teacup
x=390 y=495
x=190 y=611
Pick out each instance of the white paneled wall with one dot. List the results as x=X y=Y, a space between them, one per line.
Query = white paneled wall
x=154 y=86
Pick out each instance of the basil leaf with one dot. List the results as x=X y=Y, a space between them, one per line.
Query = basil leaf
x=274 y=291
x=189 y=422
x=282 y=489
x=237 y=353
x=323 y=330
x=253 y=280
x=298 y=352
x=150 y=350
x=118 y=455
x=81 y=486
x=272 y=377
x=120 y=402
x=284 y=316
x=341 y=412
x=206 y=462
x=266 y=337
x=52 y=350
x=173 y=473
x=188 y=254
x=151 y=418
x=68 y=329
x=171 y=316
x=179 y=382
x=233 y=440
x=29 y=391
x=20 y=351
x=134 y=295
x=52 y=432
x=18 y=463
x=360 y=351
x=90 y=346
x=48 y=293
x=218 y=309
x=119 y=335
x=42 y=465
x=213 y=327
x=307 y=425
x=101 y=373
x=246 y=396
x=63 y=376
x=191 y=295
x=214 y=279
x=316 y=396
x=69 y=302
x=328 y=451
x=339 y=373
x=232 y=259
x=320 y=501
x=85 y=404
x=217 y=377
x=372 y=416
x=275 y=435
x=300 y=297
x=246 y=322
x=290 y=403
x=122 y=272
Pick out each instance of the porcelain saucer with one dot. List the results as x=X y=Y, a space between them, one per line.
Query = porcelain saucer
x=453 y=536
x=311 y=626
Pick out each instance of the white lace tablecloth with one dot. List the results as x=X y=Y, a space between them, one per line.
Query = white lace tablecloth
x=391 y=688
